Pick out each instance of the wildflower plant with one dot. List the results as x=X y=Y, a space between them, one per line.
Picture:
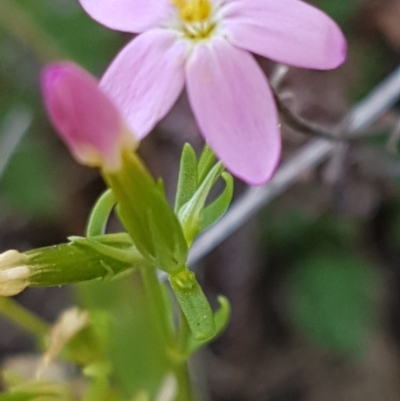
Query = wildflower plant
x=205 y=45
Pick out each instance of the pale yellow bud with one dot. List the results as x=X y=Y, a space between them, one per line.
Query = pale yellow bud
x=70 y=323
x=168 y=390
x=14 y=273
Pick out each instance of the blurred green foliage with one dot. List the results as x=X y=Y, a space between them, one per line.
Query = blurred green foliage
x=33 y=33
x=30 y=181
x=330 y=285
x=134 y=346
x=331 y=299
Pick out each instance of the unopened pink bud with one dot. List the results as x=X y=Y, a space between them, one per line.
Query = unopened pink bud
x=86 y=119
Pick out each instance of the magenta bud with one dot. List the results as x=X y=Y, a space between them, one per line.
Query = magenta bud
x=86 y=119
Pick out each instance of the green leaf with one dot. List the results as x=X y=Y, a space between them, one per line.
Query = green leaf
x=191 y=213
x=330 y=300
x=187 y=181
x=194 y=304
x=206 y=161
x=217 y=209
x=100 y=213
x=221 y=319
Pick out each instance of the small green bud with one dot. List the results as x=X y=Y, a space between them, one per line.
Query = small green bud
x=79 y=261
x=82 y=259
x=185 y=279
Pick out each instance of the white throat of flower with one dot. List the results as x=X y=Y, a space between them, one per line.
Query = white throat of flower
x=196 y=18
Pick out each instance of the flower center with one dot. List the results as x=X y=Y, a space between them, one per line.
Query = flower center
x=196 y=18
x=192 y=11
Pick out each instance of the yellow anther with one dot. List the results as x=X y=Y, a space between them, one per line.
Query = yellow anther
x=193 y=10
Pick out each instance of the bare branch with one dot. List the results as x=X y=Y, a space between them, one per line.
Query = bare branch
x=379 y=101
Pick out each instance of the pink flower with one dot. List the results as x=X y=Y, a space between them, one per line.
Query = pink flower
x=86 y=119
x=206 y=44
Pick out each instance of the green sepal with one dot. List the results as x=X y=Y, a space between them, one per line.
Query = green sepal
x=191 y=213
x=218 y=208
x=193 y=304
x=129 y=255
x=82 y=259
x=206 y=161
x=221 y=319
x=139 y=197
x=187 y=181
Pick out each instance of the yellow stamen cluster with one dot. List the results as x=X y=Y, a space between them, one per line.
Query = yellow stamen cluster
x=193 y=10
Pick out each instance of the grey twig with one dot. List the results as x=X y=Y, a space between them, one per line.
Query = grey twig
x=379 y=101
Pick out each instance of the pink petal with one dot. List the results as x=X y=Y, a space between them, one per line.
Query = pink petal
x=128 y=15
x=235 y=110
x=146 y=78
x=87 y=121
x=288 y=31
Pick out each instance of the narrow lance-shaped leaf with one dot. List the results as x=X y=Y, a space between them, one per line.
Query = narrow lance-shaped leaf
x=217 y=209
x=193 y=304
x=100 y=213
x=221 y=319
x=206 y=161
x=190 y=214
x=187 y=181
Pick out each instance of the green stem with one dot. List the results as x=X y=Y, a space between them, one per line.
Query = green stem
x=13 y=311
x=184 y=387
x=159 y=314
x=156 y=303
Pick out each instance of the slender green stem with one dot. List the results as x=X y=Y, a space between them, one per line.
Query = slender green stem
x=184 y=387
x=181 y=368
x=160 y=317
x=18 y=22
x=99 y=216
x=156 y=303
x=25 y=319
